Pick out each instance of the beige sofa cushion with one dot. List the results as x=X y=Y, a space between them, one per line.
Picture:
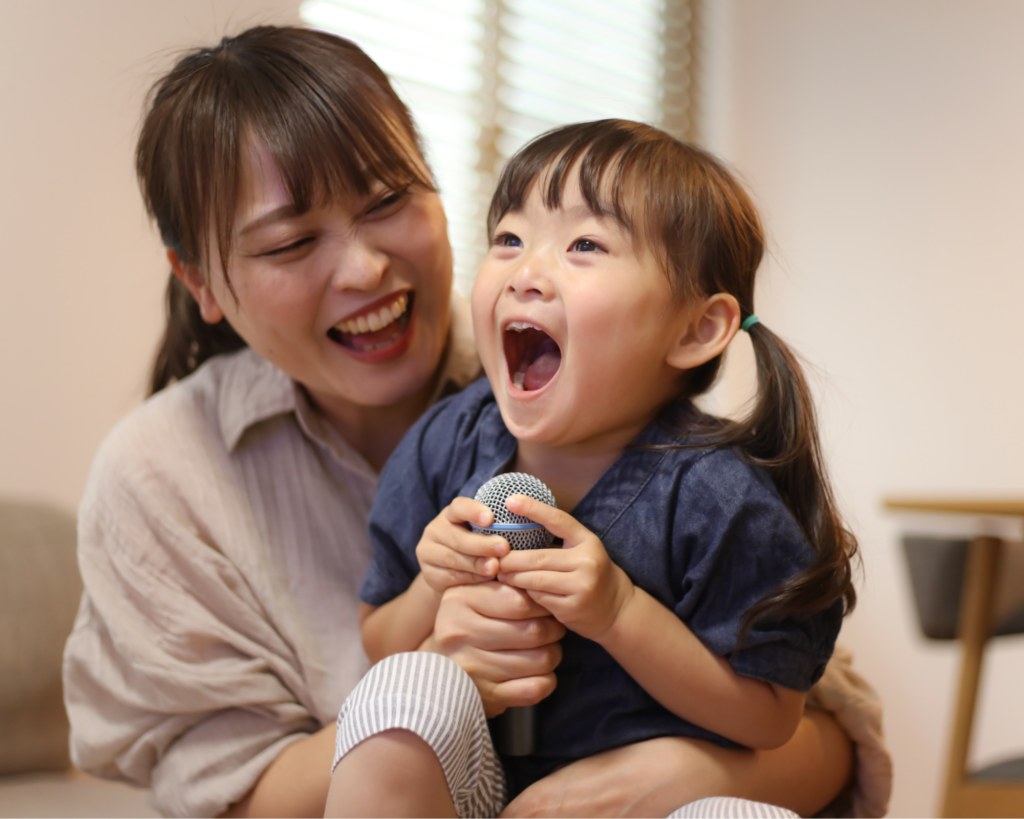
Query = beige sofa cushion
x=39 y=594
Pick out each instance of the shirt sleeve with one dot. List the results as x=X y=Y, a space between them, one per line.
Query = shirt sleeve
x=414 y=487
x=174 y=676
x=735 y=541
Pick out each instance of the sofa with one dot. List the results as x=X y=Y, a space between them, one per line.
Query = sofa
x=40 y=588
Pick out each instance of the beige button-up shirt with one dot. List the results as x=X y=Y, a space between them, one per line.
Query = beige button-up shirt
x=222 y=541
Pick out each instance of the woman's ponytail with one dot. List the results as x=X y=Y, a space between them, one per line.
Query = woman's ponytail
x=781 y=436
x=188 y=341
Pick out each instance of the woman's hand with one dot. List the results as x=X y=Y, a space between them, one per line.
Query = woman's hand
x=505 y=641
x=450 y=554
x=579 y=584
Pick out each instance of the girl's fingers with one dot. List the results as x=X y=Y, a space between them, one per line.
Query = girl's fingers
x=440 y=558
x=467 y=510
x=534 y=560
x=556 y=583
x=455 y=577
x=560 y=524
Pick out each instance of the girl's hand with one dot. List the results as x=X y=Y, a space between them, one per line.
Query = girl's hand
x=579 y=584
x=450 y=554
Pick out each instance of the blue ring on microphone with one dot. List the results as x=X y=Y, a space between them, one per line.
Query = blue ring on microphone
x=512 y=527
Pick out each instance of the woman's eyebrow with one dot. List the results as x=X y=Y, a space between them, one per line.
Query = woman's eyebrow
x=283 y=212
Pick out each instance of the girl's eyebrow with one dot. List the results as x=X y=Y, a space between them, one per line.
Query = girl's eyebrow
x=286 y=211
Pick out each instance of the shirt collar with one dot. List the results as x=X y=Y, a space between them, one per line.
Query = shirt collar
x=254 y=390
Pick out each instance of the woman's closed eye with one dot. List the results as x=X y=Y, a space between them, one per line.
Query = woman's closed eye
x=585 y=246
x=387 y=202
x=291 y=246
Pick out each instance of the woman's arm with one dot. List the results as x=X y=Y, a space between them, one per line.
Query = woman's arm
x=654 y=778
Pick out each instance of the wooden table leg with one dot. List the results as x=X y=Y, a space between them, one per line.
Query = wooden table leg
x=975 y=626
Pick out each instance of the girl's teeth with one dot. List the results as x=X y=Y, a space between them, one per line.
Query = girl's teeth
x=518 y=380
x=374 y=321
x=363 y=324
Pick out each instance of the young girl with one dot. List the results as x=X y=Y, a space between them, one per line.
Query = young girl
x=705 y=570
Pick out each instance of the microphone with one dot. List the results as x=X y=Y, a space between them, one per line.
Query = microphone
x=516 y=729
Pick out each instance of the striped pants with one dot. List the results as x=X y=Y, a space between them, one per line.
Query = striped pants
x=435 y=699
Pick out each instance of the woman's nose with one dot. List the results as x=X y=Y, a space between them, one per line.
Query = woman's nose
x=360 y=267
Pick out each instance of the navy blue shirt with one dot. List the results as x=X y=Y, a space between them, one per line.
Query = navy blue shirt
x=701 y=530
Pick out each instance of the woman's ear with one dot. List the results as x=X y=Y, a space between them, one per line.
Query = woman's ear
x=192 y=277
x=709 y=331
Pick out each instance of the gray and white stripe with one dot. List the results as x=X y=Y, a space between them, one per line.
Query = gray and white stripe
x=435 y=699
x=729 y=807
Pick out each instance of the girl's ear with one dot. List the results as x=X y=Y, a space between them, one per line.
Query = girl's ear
x=192 y=277
x=709 y=331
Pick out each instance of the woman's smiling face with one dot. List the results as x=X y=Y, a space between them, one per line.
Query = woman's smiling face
x=574 y=324
x=350 y=299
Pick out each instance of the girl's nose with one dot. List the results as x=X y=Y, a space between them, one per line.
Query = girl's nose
x=360 y=267
x=531 y=278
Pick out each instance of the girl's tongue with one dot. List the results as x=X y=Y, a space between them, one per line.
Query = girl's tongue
x=533 y=358
x=544 y=367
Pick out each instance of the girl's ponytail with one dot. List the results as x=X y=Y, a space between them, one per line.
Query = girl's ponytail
x=781 y=436
x=188 y=341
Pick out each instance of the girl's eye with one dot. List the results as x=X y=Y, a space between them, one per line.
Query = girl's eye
x=288 y=248
x=585 y=245
x=507 y=240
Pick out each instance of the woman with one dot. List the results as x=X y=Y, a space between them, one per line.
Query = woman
x=222 y=534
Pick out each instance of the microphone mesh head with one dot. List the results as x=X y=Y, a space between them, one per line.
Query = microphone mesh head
x=493 y=495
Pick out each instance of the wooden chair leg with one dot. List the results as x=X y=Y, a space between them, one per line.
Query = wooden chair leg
x=975 y=625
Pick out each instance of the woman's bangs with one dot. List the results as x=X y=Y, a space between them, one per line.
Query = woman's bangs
x=332 y=128
x=325 y=156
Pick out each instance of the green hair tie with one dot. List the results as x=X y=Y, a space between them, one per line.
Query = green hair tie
x=749 y=322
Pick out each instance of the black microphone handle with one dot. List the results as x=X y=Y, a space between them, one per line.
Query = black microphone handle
x=516 y=731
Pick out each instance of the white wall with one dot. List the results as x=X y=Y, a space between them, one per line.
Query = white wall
x=81 y=270
x=885 y=143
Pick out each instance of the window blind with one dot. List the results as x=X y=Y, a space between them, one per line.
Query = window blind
x=482 y=77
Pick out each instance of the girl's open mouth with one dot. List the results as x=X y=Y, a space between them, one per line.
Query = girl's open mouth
x=532 y=356
x=377 y=328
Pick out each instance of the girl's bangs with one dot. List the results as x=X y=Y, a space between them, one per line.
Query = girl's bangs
x=610 y=158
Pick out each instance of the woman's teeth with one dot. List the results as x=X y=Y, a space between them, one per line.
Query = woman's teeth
x=377 y=320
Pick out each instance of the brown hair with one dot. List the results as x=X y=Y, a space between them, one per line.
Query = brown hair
x=325 y=111
x=683 y=203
